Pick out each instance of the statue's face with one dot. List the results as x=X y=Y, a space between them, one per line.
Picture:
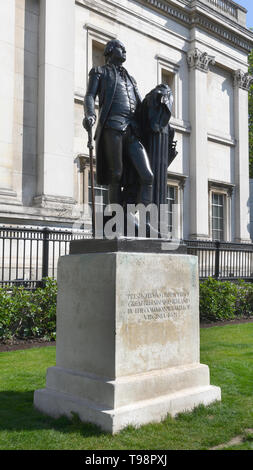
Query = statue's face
x=118 y=54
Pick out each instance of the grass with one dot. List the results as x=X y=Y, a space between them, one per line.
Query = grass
x=228 y=350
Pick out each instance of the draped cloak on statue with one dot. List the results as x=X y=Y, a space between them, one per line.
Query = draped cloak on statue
x=157 y=137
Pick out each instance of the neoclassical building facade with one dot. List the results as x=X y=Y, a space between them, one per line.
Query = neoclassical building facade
x=199 y=47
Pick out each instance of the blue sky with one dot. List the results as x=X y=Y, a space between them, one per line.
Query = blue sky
x=248 y=4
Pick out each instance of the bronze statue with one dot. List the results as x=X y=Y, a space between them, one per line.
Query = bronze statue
x=134 y=142
x=118 y=143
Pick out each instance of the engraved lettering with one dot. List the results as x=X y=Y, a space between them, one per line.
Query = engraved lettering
x=158 y=305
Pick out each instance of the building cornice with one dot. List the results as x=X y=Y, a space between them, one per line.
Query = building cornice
x=179 y=12
x=190 y=13
x=224 y=33
x=199 y=14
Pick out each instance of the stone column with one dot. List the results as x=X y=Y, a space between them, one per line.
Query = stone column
x=198 y=63
x=242 y=82
x=7 y=83
x=56 y=104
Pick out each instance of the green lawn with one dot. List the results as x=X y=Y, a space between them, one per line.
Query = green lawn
x=228 y=351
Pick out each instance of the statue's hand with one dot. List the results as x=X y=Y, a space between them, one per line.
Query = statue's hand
x=89 y=122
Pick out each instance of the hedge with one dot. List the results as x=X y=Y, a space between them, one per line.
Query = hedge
x=32 y=314
x=28 y=314
x=225 y=300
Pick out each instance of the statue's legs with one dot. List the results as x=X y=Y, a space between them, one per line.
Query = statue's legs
x=117 y=145
x=112 y=144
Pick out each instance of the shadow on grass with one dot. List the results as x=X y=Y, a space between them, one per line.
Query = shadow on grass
x=17 y=413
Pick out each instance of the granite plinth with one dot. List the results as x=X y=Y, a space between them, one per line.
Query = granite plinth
x=128 y=245
x=127 y=349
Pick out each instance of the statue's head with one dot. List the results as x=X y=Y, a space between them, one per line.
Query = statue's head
x=115 y=52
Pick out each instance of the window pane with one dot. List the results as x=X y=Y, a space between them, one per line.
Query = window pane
x=215 y=223
x=221 y=199
x=97 y=53
x=215 y=198
x=172 y=192
x=168 y=78
x=218 y=216
x=215 y=211
x=221 y=212
x=216 y=235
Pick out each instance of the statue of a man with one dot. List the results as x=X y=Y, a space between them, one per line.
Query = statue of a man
x=117 y=136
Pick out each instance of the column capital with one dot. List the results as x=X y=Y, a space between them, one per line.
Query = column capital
x=243 y=80
x=199 y=60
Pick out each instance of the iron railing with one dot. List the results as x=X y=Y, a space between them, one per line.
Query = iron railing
x=27 y=255
x=223 y=260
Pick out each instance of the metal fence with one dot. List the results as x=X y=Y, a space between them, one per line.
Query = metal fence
x=223 y=260
x=27 y=255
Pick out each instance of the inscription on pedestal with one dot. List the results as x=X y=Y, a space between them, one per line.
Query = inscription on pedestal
x=158 y=305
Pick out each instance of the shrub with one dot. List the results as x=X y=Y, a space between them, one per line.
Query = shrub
x=244 y=304
x=28 y=314
x=225 y=300
x=32 y=314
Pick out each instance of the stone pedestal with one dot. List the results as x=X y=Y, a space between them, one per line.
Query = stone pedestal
x=127 y=337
